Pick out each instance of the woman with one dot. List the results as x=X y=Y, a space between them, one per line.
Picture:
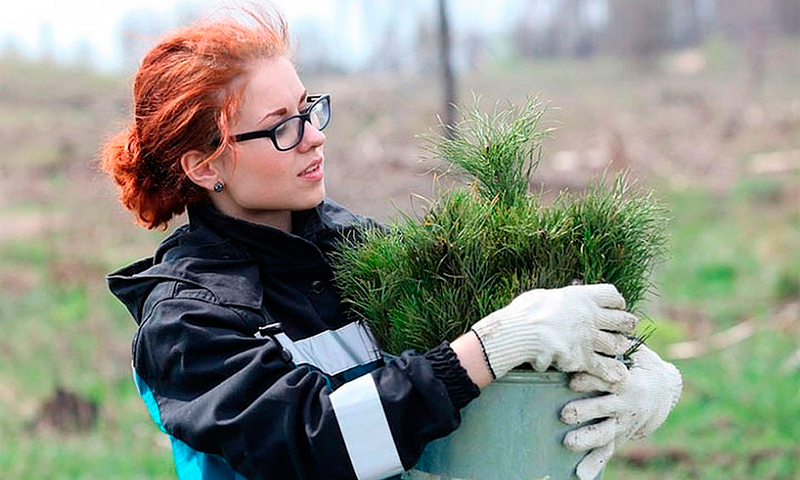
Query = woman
x=244 y=354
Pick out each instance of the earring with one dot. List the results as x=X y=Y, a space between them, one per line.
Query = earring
x=219 y=186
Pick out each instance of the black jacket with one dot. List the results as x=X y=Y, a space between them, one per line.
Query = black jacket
x=246 y=357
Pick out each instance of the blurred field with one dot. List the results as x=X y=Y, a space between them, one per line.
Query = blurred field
x=725 y=158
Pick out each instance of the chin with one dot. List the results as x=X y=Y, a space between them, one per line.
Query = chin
x=320 y=194
x=314 y=200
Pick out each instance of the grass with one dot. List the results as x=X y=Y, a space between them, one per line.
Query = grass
x=733 y=243
x=736 y=418
x=734 y=259
x=60 y=331
x=734 y=256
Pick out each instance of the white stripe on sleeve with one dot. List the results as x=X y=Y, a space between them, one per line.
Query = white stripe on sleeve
x=365 y=429
x=334 y=351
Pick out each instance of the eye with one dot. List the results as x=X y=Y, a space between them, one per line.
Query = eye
x=285 y=129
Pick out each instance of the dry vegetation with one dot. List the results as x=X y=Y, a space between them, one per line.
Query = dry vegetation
x=726 y=158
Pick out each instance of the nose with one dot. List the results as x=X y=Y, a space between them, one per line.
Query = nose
x=312 y=138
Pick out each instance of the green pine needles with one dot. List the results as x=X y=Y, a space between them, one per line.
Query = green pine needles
x=427 y=278
x=497 y=150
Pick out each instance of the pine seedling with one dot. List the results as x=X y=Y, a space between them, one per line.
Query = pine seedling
x=428 y=277
x=498 y=150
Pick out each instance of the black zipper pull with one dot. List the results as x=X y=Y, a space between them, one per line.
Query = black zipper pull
x=269 y=330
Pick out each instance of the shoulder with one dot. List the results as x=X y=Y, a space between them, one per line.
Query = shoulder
x=185 y=309
x=181 y=323
x=204 y=285
x=189 y=268
x=340 y=223
x=336 y=216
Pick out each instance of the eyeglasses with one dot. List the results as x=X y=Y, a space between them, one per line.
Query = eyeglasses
x=288 y=133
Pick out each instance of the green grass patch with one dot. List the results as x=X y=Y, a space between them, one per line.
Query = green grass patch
x=734 y=258
x=737 y=418
x=729 y=257
x=121 y=445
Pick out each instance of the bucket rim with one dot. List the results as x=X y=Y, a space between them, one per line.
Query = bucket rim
x=532 y=376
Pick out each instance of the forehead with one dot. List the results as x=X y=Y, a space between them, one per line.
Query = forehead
x=270 y=85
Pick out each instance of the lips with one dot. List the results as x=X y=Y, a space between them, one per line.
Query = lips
x=313 y=171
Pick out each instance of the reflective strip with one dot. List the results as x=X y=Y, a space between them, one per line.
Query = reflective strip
x=365 y=430
x=333 y=351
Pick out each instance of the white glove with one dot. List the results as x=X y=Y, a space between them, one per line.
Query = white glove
x=633 y=409
x=564 y=328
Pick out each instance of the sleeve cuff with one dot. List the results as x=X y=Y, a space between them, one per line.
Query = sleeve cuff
x=447 y=368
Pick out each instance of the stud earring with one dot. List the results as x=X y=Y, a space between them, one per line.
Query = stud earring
x=219 y=186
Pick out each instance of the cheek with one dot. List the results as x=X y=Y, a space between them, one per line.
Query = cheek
x=273 y=172
x=259 y=166
x=257 y=176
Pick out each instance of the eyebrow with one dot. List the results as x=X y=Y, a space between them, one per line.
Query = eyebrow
x=281 y=111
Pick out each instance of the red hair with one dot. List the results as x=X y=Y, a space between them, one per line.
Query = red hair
x=184 y=99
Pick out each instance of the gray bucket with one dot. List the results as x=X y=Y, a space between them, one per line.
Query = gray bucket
x=511 y=431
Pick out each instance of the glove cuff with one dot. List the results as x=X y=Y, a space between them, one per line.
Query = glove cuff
x=485 y=356
x=508 y=340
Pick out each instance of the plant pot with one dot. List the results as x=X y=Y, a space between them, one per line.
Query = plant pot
x=511 y=431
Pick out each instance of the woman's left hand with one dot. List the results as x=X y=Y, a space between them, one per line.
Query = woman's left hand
x=632 y=409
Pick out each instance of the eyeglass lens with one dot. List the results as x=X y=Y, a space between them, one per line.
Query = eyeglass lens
x=291 y=132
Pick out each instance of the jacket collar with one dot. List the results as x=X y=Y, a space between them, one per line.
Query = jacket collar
x=265 y=245
x=222 y=254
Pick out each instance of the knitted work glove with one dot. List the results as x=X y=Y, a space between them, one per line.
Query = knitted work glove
x=566 y=328
x=632 y=409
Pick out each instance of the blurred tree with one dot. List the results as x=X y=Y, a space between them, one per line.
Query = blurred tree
x=787 y=14
x=639 y=30
x=686 y=23
x=313 y=46
x=533 y=34
x=388 y=50
x=523 y=36
x=755 y=42
x=425 y=51
x=448 y=76
x=475 y=46
x=747 y=23
x=387 y=54
x=570 y=32
x=10 y=49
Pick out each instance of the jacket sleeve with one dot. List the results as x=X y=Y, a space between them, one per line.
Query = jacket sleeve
x=225 y=392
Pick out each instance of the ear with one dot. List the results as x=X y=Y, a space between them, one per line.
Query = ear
x=204 y=174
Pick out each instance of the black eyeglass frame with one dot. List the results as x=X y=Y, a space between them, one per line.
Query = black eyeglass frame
x=305 y=117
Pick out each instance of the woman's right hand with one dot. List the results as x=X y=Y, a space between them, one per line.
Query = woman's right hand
x=578 y=328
